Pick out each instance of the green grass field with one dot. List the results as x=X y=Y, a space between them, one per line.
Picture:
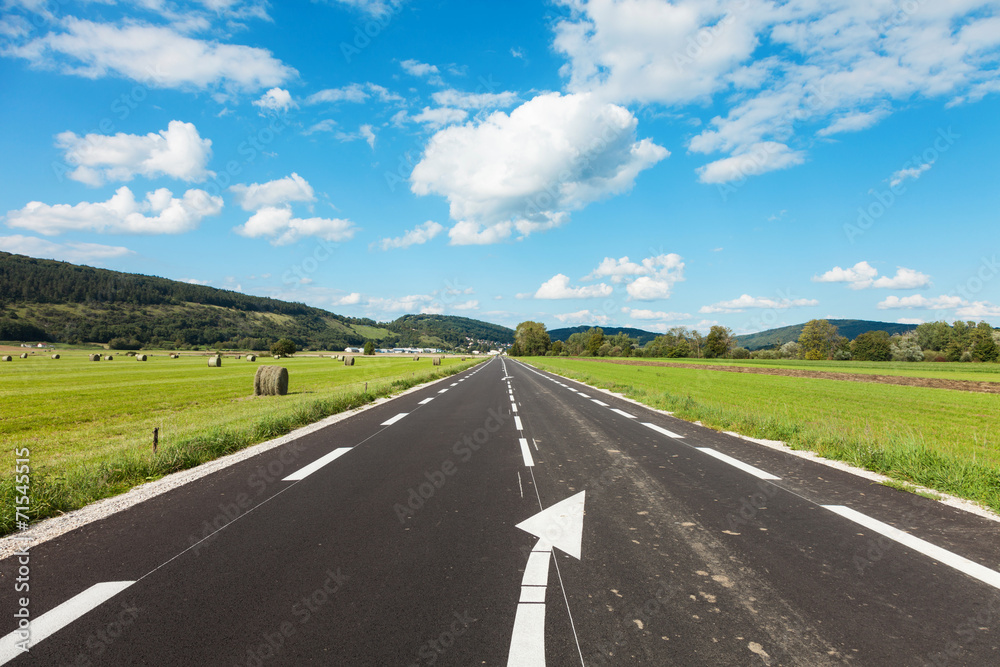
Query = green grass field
x=939 y=438
x=88 y=425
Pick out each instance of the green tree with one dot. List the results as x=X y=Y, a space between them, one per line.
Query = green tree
x=531 y=339
x=872 y=346
x=284 y=347
x=984 y=348
x=557 y=347
x=817 y=339
x=369 y=347
x=718 y=342
x=595 y=339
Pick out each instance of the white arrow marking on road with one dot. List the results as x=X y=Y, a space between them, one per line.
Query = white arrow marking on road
x=56 y=619
x=561 y=527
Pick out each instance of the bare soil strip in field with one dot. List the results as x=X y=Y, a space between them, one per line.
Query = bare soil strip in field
x=934 y=383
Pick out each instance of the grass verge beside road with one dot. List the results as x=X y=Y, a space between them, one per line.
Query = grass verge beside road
x=942 y=439
x=88 y=425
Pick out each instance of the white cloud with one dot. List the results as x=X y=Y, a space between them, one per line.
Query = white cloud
x=557 y=287
x=421 y=70
x=348 y=299
x=779 y=70
x=195 y=281
x=472 y=304
x=276 y=99
x=583 y=317
x=753 y=160
x=909 y=320
x=422 y=233
x=525 y=171
x=746 y=301
x=438 y=118
x=282 y=228
x=461 y=100
x=368 y=135
x=863 y=276
x=178 y=152
x=978 y=309
x=156 y=56
x=353 y=92
x=121 y=214
x=649 y=280
x=66 y=252
x=413 y=303
x=943 y=302
x=373 y=7
x=325 y=125
x=658 y=315
x=898 y=177
x=278 y=192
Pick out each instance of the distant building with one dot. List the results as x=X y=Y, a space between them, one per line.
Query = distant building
x=355 y=350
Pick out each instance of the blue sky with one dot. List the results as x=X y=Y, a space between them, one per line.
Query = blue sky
x=632 y=162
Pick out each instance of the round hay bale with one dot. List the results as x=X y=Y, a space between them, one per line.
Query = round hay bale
x=141 y=357
x=6 y=357
x=270 y=381
x=24 y=355
x=94 y=357
x=277 y=356
x=348 y=361
x=436 y=361
x=251 y=357
x=416 y=358
x=215 y=362
x=55 y=356
x=109 y=358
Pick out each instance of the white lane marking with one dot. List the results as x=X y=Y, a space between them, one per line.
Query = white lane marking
x=316 y=465
x=660 y=429
x=583 y=395
x=736 y=463
x=443 y=390
x=600 y=403
x=517 y=423
x=56 y=619
x=393 y=420
x=535 y=444
x=454 y=384
x=426 y=400
x=513 y=406
x=623 y=413
x=960 y=563
x=519 y=487
x=527 y=642
x=526 y=453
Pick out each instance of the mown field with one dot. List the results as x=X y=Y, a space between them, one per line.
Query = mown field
x=89 y=425
x=939 y=438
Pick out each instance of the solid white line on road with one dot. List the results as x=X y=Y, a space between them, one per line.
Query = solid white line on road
x=583 y=395
x=56 y=619
x=600 y=403
x=973 y=569
x=316 y=465
x=393 y=420
x=736 y=463
x=660 y=429
x=426 y=400
x=517 y=423
x=623 y=413
x=526 y=453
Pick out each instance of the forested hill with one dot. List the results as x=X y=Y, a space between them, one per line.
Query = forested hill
x=850 y=329
x=564 y=333
x=61 y=302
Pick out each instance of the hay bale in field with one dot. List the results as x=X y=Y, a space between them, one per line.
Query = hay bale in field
x=55 y=356
x=270 y=381
x=94 y=357
x=416 y=358
x=109 y=358
x=6 y=357
x=348 y=361
x=215 y=362
x=277 y=356
x=436 y=361
x=141 y=357
x=24 y=355
x=174 y=356
x=251 y=357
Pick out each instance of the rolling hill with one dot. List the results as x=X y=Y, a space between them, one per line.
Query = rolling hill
x=851 y=329
x=61 y=302
x=565 y=332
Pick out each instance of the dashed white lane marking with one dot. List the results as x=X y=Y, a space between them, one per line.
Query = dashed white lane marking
x=444 y=390
x=513 y=406
x=623 y=413
x=302 y=473
x=56 y=619
x=660 y=429
x=526 y=453
x=736 y=463
x=393 y=420
x=975 y=570
x=426 y=400
x=454 y=384
x=517 y=423
x=600 y=403
x=583 y=395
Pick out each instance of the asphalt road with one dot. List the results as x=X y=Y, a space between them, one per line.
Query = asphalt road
x=392 y=538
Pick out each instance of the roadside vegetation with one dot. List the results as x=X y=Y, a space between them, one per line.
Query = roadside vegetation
x=89 y=425
x=938 y=438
